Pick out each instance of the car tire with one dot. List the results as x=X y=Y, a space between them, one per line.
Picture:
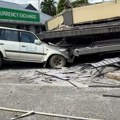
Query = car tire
x=1 y=61
x=57 y=61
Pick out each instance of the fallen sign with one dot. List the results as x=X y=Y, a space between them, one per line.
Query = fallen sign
x=28 y=113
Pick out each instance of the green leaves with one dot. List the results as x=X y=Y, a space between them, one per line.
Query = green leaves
x=48 y=7
x=78 y=3
x=60 y=6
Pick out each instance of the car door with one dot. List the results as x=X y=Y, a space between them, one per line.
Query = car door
x=30 y=51
x=9 y=43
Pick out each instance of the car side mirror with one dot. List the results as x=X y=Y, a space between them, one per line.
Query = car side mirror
x=37 y=42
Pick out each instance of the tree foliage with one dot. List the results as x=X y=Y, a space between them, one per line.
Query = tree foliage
x=48 y=7
x=78 y=3
x=60 y=6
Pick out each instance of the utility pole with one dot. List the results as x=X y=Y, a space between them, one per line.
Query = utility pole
x=39 y=2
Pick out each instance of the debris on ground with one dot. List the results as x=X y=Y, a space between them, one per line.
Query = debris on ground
x=51 y=90
x=113 y=75
x=110 y=95
x=79 y=76
x=28 y=113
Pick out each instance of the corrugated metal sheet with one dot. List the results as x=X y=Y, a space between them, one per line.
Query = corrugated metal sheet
x=10 y=5
x=44 y=17
x=24 y=5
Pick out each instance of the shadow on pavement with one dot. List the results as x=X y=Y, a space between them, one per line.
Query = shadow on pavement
x=21 y=65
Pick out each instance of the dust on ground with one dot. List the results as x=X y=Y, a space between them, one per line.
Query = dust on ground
x=23 y=86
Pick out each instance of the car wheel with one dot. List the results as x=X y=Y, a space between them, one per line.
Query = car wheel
x=1 y=60
x=57 y=61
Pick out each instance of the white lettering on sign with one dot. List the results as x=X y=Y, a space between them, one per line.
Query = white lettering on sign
x=19 y=15
x=12 y=14
x=9 y=14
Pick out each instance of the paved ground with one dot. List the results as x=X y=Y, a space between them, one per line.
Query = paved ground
x=22 y=87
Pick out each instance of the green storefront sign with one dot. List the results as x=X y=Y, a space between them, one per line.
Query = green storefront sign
x=18 y=15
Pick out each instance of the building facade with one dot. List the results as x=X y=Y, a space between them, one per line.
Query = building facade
x=20 y=17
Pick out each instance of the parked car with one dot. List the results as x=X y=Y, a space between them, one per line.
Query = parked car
x=25 y=46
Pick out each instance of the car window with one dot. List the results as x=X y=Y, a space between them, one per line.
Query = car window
x=27 y=37
x=11 y=35
x=1 y=34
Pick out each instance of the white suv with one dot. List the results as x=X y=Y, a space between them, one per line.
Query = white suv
x=21 y=45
